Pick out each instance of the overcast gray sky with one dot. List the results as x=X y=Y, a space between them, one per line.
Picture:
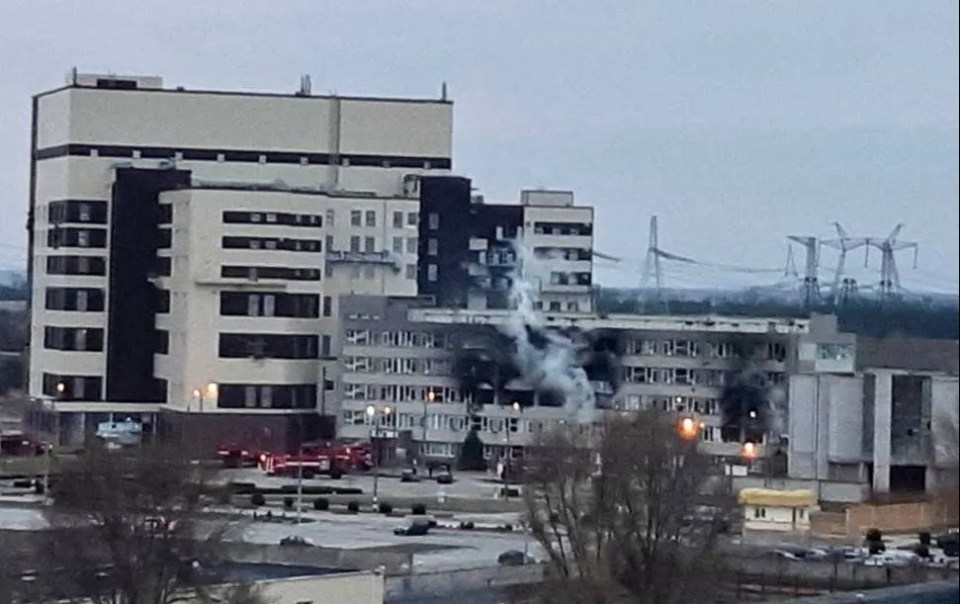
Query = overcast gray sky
x=736 y=122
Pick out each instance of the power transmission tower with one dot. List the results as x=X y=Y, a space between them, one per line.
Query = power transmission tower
x=651 y=263
x=843 y=243
x=790 y=268
x=889 y=274
x=811 y=283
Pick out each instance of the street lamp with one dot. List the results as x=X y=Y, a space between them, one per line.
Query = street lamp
x=508 y=465
x=60 y=388
x=210 y=391
x=431 y=396
x=374 y=433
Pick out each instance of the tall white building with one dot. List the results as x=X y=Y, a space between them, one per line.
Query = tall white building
x=188 y=248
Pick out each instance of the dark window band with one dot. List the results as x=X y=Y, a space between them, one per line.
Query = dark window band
x=248 y=156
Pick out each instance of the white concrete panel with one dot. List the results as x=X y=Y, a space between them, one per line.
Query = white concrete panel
x=197 y=120
x=416 y=129
x=53 y=123
x=846 y=418
x=802 y=426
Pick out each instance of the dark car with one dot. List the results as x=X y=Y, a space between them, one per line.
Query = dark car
x=513 y=558
x=296 y=541
x=445 y=478
x=416 y=528
x=949 y=543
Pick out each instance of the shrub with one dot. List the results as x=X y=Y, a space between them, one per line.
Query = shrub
x=385 y=508
x=288 y=503
x=418 y=509
x=925 y=538
x=875 y=542
x=353 y=507
x=321 y=503
x=467 y=526
x=923 y=551
x=874 y=534
x=258 y=499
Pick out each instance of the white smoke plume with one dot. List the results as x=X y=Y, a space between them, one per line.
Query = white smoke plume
x=552 y=366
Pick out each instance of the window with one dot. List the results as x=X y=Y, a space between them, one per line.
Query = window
x=354 y=243
x=438 y=449
x=573 y=307
x=370 y=219
x=330 y=218
x=433 y=221
x=327 y=306
x=356 y=218
x=325 y=346
x=411 y=271
x=369 y=244
x=398 y=245
x=328 y=241
x=267 y=346
x=398 y=220
x=413 y=219
x=432 y=272
x=433 y=246
x=411 y=245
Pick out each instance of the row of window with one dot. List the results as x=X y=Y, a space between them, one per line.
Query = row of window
x=254 y=273
x=284 y=218
x=273 y=304
x=408 y=245
x=272 y=243
x=397 y=338
x=562 y=278
x=76 y=265
x=677 y=404
x=72 y=387
x=79 y=339
x=561 y=253
x=413 y=219
x=80 y=299
x=272 y=346
x=76 y=237
x=405 y=366
x=267 y=396
x=76 y=210
x=395 y=393
x=688 y=376
x=441 y=421
x=562 y=228
x=774 y=351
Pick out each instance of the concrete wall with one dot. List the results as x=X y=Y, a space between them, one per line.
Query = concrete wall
x=853 y=522
x=392 y=563
x=449 y=583
x=355 y=588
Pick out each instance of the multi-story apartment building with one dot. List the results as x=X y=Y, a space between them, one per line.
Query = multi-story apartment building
x=443 y=372
x=189 y=248
x=471 y=249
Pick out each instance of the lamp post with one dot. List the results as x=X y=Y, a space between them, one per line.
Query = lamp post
x=423 y=441
x=210 y=390
x=61 y=388
x=509 y=456
x=374 y=433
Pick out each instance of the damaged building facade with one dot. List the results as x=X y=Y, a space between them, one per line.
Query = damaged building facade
x=440 y=373
x=881 y=428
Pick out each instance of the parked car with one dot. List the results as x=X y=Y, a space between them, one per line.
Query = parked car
x=415 y=527
x=514 y=558
x=949 y=543
x=445 y=477
x=296 y=541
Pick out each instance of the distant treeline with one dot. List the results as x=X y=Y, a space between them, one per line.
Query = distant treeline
x=871 y=318
x=13 y=292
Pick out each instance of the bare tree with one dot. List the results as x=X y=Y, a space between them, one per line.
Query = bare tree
x=127 y=528
x=619 y=521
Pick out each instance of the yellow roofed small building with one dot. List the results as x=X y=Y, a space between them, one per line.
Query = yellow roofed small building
x=775 y=510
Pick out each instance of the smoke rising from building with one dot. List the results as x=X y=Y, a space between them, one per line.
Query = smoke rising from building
x=546 y=359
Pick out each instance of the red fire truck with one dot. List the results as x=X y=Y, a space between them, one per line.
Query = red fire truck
x=334 y=460
x=235 y=455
